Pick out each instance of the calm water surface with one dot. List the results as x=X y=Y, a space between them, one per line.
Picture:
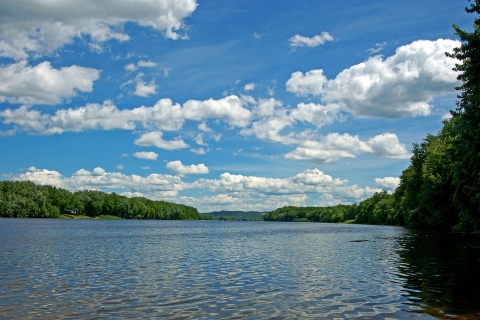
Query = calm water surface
x=80 y=269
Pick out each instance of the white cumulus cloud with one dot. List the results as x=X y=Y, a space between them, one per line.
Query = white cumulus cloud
x=143 y=89
x=28 y=120
x=179 y=169
x=277 y=124
x=401 y=85
x=43 y=26
x=317 y=114
x=230 y=108
x=154 y=139
x=335 y=146
x=270 y=128
x=387 y=182
x=388 y=145
x=312 y=82
x=164 y=115
x=146 y=155
x=43 y=84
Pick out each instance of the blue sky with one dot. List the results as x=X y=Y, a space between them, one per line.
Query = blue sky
x=223 y=105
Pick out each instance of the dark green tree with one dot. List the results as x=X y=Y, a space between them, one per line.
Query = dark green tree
x=424 y=197
x=378 y=209
x=441 y=187
x=467 y=129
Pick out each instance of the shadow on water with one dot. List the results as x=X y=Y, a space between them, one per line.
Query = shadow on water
x=442 y=272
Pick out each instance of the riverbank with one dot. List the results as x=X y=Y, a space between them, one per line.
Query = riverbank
x=102 y=217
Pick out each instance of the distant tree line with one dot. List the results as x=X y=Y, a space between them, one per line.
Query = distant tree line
x=25 y=199
x=379 y=209
x=232 y=216
x=208 y=216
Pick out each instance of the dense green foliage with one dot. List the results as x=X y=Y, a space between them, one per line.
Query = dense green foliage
x=308 y=214
x=378 y=209
x=375 y=210
x=441 y=187
x=25 y=199
x=424 y=196
x=466 y=171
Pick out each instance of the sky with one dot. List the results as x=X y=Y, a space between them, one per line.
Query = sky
x=223 y=105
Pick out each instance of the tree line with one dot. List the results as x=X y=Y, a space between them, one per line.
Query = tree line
x=378 y=209
x=440 y=189
x=25 y=199
x=232 y=216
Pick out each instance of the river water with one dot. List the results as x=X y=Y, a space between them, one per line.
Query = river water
x=98 y=269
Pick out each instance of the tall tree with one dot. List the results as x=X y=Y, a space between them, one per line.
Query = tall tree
x=424 y=196
x=466 y=154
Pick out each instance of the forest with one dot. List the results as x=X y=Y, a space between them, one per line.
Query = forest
x=441 y=187
x=25 y=199
x=379 y=209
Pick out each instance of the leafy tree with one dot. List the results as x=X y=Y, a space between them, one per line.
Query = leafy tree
x=378 y=209
x=466 y=154
x=424 y=197
x=441 y=187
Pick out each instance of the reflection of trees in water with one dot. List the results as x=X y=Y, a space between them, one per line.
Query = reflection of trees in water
x=443 y=270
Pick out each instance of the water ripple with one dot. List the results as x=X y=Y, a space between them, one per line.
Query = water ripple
x=60 y=269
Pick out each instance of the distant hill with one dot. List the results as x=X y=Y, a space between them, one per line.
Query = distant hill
x=238 y=215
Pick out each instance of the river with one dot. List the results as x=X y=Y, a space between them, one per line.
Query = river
x=83 y=269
